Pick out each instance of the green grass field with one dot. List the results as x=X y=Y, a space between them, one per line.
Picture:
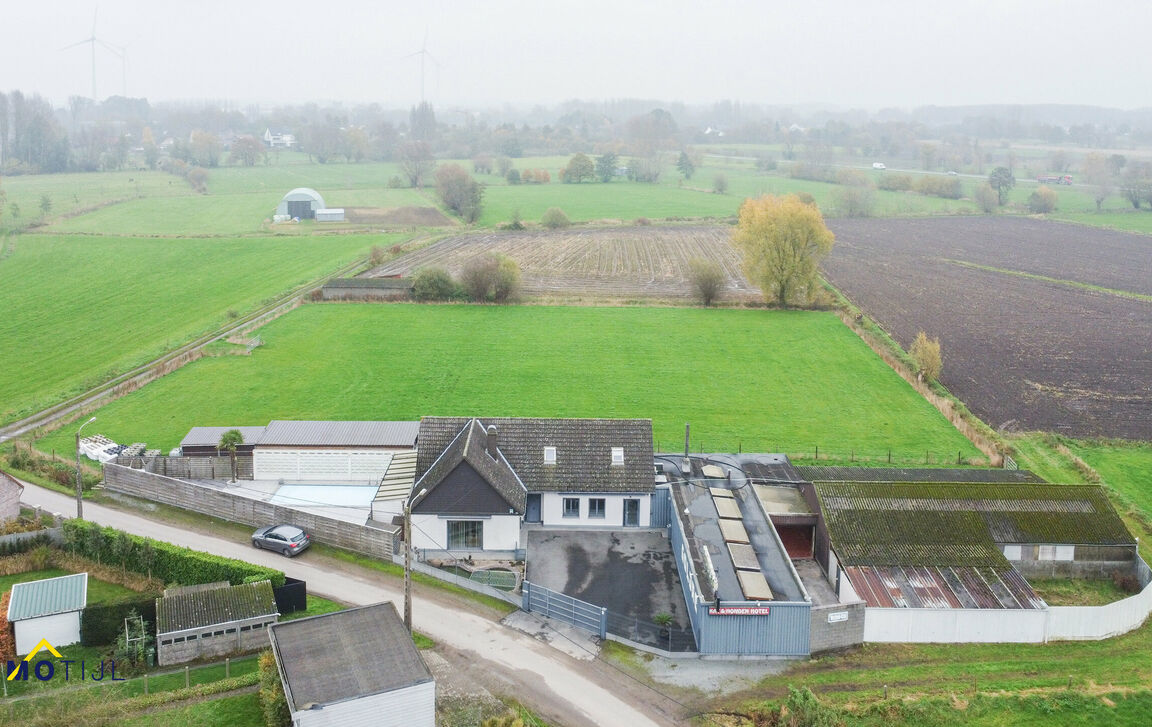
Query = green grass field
x=751 y=379
x=1125 y=467
x=98 y=591
x=79 y=309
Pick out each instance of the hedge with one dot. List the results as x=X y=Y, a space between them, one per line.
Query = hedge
x=169 y=563
x=24 y=545
x=102 y=623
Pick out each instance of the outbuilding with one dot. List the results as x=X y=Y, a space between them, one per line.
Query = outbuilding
x=205 y=441
x=353 y=668
x=48 y=609
x=213 y=619
x=302 y=202
x=329 y=451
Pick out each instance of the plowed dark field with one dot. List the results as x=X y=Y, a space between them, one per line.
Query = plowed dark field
x=1023 y=353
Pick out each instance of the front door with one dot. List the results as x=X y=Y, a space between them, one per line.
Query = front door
x=631 y=513
x=532 y=515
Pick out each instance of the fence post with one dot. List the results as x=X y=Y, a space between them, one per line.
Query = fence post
x=603 y=623
x=526 y=596
x=186 y=683
x=227 y=667
x=145 y=683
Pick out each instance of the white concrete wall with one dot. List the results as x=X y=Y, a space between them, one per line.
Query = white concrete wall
x=1085 y=623
x=61 y=629
x=552 y=510
x=955 y=625
x=501 y=532
x=411 y=707
x=319 y=465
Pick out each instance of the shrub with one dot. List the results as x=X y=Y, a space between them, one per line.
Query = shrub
x=433 y=284
x=459 y=191
x=516 y=223
x=1042 y=201
x=7 y=636
x=272 y=701
x=707 y=279
x=926 y=354
x=895 y=182
x=478 y=278
x=642 y=221
x=513 y=176
x=395 y=182
x=855 y=200
x=939 y=186
x=507 y=285
x=852 y=177
x=554 y=218
x=986 y=198
x=376 y=256
x=720 y=184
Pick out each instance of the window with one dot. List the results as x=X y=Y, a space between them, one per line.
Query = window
x=230 y=631
x=1065 y=552
x=1012 y=552
x=571 y=507
x=549 y=455
x=218 y=633
x=465 y=534
x=1046 y=552
x=245 y=628
x=596 y=507
x=166 y=642
x=617 y=455
x=178 y=640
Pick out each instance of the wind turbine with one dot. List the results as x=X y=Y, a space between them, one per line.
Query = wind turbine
x=92 y=40
x=423 y=53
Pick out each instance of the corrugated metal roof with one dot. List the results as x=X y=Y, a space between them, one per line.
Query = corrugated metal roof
x=62 y=594
x=340 y=434
x=345 y=655
x=198 y=609
x=942 y=587
x=210 y=436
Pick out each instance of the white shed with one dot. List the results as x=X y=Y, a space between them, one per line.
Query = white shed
x=328 y=451
x=330 y=214
x=48 y=609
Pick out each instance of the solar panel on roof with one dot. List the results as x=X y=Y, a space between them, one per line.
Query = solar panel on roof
x=754 y=586
x=733 y=531
x=727 y=508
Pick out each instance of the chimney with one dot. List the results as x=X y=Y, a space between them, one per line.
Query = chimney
x=493 y=440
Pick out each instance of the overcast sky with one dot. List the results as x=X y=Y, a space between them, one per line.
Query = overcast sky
x=850 y=53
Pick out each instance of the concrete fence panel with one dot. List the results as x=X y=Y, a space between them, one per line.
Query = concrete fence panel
x=955 y=625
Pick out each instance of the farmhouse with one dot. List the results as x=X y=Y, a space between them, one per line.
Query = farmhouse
x=10 y=494
x=212 y=619
x=353 y=668
x=301 y=202
x=279 y=139
x=48 y=609
x=477 y=478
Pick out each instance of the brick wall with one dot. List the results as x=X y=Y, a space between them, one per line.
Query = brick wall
x=218 y=502
x=837 y=634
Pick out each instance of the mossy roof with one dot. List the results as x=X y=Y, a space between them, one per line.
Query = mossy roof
x=957 y=524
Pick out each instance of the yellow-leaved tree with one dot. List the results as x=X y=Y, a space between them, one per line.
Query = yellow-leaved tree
x=782 y=240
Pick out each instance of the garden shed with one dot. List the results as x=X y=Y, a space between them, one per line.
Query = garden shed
x=48 y=609
x=213 y=619
x=302 y=202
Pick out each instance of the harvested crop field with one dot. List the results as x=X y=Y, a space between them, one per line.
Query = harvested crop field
x=1042 y=325
x=618 y=262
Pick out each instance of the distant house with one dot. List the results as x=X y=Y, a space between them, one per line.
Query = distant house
x=476 y=479
x=353 y=668
x=213 y=619
x=10 y=493
x=279 y=139
x=48 y=609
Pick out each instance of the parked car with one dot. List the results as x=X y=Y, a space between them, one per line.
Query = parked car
x=288 y=540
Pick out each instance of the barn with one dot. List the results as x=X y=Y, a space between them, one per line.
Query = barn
x=48 y=609
x=213 y=619
x=205 y=441
x=302 y=202
x=327 y=451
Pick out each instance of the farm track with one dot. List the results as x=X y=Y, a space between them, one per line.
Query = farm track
x=619 y=262
x=131 y=380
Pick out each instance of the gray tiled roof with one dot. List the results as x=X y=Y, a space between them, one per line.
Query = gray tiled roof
x=470 y=446
x=340 y=434
x=210 y=436
x=583 y=451
x=345 y=655
x=33 y=599
x=197 y=609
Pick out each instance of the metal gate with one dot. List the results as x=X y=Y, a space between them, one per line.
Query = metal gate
x=546 y=602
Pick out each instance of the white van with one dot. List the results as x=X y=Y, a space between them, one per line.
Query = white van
x=878 y=165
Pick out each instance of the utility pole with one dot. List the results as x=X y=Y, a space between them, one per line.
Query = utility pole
x=408 y=566
x=79 y=482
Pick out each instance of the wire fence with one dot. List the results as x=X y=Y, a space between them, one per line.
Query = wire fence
x=669 y=638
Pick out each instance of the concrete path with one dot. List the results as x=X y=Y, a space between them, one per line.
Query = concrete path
x=545 y=679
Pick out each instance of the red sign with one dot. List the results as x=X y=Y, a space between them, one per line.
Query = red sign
x=738 y=611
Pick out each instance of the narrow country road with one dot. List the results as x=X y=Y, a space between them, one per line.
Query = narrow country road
x=547 y=677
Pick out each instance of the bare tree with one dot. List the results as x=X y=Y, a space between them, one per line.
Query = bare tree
x=707 y=279
x=416 y=162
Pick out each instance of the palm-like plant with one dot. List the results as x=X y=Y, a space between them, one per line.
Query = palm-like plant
x=230 y=440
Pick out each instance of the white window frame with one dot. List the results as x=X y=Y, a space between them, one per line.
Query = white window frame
x=617 y=456
x=571 y=507
x=549 y=455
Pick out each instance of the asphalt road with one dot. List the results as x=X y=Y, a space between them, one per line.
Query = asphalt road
x=576 y=692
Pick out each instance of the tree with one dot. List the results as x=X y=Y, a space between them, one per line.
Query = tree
x=1002 y=180
x=422 y=122
x=479 y=276
x=708 y=279
x=503 y=166
x=151 y=151
x=229 y=441
x=1042 y=201
x=1098 y=173
x=1136 y=183
x=926 y=354
x=986 y=198
x=720 y=184
x=459 y=191
x=580 y=167
x=507 y=285
x=685 y=165
x=45 y=205
x=606 y=166
x=482 y=164
x=554 y=218
x=782 y=240
x=416 y=162
x=433 y=284
x=204 y=149
x=247 y=150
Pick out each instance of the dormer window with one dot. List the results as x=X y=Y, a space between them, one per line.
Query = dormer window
x=549 y=455
x=617 y=455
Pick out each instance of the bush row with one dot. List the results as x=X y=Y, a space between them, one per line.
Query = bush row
x=169 y=563
x=62 y=473
x=24 y=545
x=102 y=623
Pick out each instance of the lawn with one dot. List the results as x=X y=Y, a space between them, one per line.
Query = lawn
x=241 y=710
x=98 y=591
x=755 y=380
x=78 y=309
x=1124 y=466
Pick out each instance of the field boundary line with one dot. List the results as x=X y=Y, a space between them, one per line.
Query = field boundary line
x=1046 y=279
